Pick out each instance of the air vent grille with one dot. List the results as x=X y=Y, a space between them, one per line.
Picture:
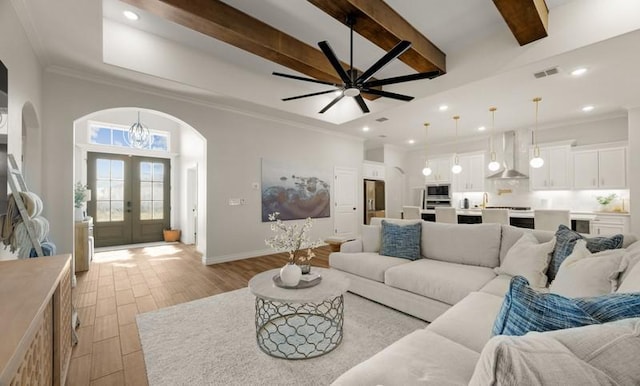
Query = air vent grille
x=382 y=119
x=547 y=72
x=382 y=136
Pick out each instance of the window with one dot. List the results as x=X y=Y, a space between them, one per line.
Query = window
x=112 y=135
x=151 y=191
x=109 y=190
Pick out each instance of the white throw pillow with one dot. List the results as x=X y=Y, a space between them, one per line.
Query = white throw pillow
x=585 y=274
x=528 y=258
x=371 y=238
x=630 y=281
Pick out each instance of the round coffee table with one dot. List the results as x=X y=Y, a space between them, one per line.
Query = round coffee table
x=299 y=323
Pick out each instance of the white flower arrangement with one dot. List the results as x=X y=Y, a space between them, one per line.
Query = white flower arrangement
x=292 y=239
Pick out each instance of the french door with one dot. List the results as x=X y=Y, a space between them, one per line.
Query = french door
x=130 y=200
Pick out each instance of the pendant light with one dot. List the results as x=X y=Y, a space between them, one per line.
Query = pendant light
x=139 y=135
x=537 y=161
x=427 y=170
x=493 y=164
x=456 y=168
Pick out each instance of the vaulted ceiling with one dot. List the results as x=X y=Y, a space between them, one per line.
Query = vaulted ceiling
x=485 y=63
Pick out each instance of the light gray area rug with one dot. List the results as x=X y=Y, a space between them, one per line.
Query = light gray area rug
x=212 y=341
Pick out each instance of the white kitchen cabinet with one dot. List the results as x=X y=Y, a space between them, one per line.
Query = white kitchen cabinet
x=606 y=225
x=440 y=171
x=371 y=171
x=600 y=169
x=612 y=168
x=471 y=178
x=554 y=173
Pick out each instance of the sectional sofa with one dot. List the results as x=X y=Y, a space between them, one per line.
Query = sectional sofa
x=453 y=286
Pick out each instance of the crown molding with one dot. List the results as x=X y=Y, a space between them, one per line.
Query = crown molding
x=115 y=81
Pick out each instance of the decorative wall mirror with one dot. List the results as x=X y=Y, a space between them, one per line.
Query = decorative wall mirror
x=4 y=130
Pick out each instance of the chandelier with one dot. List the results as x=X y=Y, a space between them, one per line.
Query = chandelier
x=139 y=135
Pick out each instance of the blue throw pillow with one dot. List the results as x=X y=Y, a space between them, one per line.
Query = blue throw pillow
x=566 y=240
x=524 y=310
x=401 y=240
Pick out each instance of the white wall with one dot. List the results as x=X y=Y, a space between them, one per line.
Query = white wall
x=634 y=162
x=24 y=74
x=193 y=153
x=395 y=180
x=235 y=144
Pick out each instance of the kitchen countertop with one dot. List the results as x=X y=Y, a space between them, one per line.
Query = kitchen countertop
x=575 y=215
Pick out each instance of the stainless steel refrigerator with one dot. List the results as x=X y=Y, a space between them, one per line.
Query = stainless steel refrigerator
x=373 y=199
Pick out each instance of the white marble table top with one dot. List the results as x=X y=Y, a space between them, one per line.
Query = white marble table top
x=333 y=284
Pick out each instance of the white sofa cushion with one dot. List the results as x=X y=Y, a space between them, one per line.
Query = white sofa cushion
x=498 y=286
x=371 y=238
x=476 y=244
x=470 y=321
x=369 y=265
x=420 y=358
x=603 y=354
x=585 y=274
x=439 y=280
x=528 y=258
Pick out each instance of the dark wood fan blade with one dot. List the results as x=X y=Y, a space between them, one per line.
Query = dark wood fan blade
x=333 y=59
x=305 y=79
x=386 y=94
x=309 y=95
x=333 y=102
x=396 y=51
x=400 y=79
x=361 y=103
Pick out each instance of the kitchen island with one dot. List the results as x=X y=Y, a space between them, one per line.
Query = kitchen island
x=581 y=221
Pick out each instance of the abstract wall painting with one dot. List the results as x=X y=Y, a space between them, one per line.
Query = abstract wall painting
x=294 y=190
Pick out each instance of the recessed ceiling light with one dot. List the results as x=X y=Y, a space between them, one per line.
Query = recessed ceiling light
x=131 y=15
x=443 y=108
x=482 y=128
x=411 y=142
x=579 y=71
x=588 y=108
x=366 y=128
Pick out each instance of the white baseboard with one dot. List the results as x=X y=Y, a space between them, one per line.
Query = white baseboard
x=238 y=256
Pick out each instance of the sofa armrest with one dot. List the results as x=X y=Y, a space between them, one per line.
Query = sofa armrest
x=352 y=246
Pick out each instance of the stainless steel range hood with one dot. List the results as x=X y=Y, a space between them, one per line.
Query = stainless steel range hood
x=510 y=158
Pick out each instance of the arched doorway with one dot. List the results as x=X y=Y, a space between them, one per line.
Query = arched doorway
x=151 y=194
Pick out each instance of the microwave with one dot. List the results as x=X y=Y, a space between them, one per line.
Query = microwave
x=438 y=191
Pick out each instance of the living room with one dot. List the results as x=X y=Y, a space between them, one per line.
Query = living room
x=70 y=60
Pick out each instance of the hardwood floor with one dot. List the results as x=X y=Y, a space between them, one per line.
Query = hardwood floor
x=121 y=284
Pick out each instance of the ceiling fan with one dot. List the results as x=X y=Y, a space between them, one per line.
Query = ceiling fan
x=353 y=85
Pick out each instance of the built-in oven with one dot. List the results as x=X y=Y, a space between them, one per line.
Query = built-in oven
x=437 y=195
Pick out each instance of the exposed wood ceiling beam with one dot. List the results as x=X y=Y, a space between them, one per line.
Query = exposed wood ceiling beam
x=383 y=26
x=527 y=19
x=223 y=22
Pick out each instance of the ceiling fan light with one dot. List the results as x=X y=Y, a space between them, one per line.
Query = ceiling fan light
x=351 y=92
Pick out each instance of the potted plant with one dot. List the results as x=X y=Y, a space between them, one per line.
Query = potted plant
x=79 y=198
x=604 y=201
x=293 y=240
x=171 y=235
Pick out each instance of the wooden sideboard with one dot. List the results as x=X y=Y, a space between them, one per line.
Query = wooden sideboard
x=35 y=321
x=83 y=248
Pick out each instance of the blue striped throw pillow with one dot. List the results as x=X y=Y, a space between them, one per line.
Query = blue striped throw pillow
x=566 y=240
x=524 y=310
x=401 y=240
